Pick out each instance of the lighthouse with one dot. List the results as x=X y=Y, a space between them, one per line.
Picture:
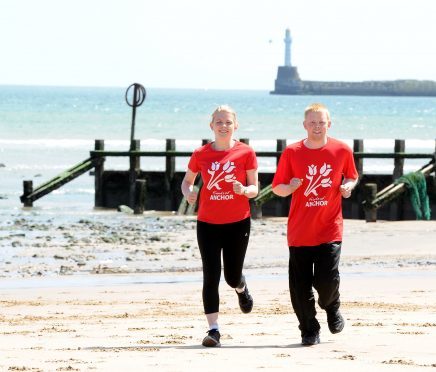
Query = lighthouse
x=287 y=41
x=288 y=81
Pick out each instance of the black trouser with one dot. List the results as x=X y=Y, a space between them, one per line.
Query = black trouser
x=232 y=239
x=314 y=267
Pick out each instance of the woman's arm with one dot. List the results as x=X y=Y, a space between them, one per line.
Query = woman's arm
x=252 y=189
x=188 y=187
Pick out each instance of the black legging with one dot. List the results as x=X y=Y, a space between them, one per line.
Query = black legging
x=232 y=238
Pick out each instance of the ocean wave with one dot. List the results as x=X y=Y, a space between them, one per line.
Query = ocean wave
x=153 y=144
x=24 y=156
x=72 y=191
x=41 y=173
x=50 y=143
x=387 y=145
x=36 y=167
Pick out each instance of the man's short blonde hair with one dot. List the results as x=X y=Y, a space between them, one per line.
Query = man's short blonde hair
x=225 y=108
x=316 y=107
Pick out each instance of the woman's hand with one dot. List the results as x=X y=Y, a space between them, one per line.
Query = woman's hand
x=191 y=197
x=238 y=187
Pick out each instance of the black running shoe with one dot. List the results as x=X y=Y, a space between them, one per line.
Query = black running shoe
x=310 y=339
x=335 y=321
x=245 y=299
x=212 y=339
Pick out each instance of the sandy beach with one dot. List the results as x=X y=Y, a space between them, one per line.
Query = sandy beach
x=110 y=291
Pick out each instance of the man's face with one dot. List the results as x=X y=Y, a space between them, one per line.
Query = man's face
x=316 y=125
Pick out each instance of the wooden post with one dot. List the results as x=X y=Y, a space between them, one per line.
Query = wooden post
x=281 y=145
x=370 y=192
x=244 y=140
x=170 y=161
x=400 y=146
x=135 y=168
x=358 y=147
x=27 y=190
x=170 y=171
x=396 y=211
x=355 y=200
x=140 y=195
x=98 y=175
x=283 y=204
x=205 y=141
x=256 y=211
x=355 y=204
x=431 y=179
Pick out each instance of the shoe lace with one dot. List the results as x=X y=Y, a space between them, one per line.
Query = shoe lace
x=245 y=295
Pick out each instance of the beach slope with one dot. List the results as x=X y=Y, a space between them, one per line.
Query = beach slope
x=154 y=322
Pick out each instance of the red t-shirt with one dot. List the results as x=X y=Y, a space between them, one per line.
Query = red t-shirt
x=218 y=203
x=315 y=216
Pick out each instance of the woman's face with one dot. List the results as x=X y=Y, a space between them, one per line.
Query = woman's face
x=223 y=125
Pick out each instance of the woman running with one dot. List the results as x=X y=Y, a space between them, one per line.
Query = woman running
x=229 y=172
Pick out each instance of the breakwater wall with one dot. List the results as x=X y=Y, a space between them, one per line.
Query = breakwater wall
x=164 y=195
x=160 y=190
x=289 y=82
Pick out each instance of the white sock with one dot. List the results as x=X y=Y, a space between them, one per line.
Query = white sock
x=240 y=290
x=214 y=326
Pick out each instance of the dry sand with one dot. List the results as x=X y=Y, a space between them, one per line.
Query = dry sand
x=149 y=318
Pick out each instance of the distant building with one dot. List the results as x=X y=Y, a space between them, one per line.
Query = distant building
x=288 y=82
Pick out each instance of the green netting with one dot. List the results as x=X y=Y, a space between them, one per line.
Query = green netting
x=417 y=187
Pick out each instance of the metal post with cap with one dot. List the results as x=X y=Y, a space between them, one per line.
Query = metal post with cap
x=135 y=99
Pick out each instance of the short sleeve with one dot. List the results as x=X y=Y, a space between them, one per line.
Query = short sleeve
x=350 y=170
x=193 y=163
x=284 y=169
x=251 y=162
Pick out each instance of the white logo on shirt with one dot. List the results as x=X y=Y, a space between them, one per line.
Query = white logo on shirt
x=221 y=195
x=224 y=175
x=321 y=181
x=316 y=202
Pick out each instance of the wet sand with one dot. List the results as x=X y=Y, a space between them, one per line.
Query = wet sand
x=109 y=242
x=134 y=302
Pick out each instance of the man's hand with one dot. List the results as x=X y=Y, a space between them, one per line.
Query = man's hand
x=295 y=183
x=345 y=190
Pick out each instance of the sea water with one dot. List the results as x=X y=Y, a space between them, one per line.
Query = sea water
x=46 y=130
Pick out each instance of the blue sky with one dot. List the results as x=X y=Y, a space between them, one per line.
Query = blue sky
x=225 y=44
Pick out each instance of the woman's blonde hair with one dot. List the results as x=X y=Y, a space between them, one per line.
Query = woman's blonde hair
x=316 y=107
x=224 y=108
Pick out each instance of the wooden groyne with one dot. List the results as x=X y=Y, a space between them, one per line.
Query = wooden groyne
x=30 y=194
x=375 y=200
x=160 y=190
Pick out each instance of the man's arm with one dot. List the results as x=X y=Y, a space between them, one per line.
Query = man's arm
x=287 y=189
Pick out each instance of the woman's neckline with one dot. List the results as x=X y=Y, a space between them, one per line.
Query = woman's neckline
x=214 y=147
